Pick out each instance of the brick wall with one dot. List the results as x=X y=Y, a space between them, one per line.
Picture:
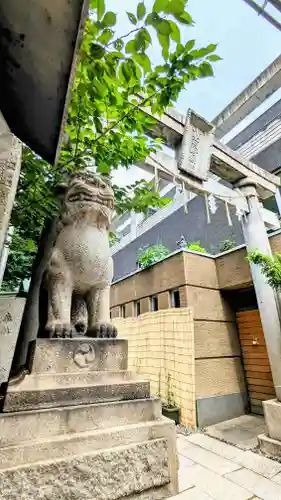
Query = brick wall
x=161 y=349
x=218 y=365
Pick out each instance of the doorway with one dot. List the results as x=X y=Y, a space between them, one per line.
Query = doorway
x=256 y=363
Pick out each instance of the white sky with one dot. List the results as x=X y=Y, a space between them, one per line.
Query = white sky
x=246 y=42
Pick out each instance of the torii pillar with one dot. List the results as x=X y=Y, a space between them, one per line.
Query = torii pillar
x=256 y=238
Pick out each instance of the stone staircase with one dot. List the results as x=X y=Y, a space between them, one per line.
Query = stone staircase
x=81 y=426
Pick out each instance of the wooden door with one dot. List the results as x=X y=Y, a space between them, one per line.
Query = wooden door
x=256 y=363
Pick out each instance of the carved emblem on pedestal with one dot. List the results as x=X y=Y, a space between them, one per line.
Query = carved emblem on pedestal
x=84 y=355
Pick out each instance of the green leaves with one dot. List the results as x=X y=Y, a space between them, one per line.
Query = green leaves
x=165 y=44
x=106 y=124
x=141 y=11
x=199 y=53
x=101 y=89
x=106 y=36
x=189 y=45
x=206 y=69
x=109 y=19
x=144 y=61
x=175 y=32
x=184 y=18
x=126 y=71
x=130 y=47
x=97 y=51
x=163 y=27
x=214 y=57
x=132 y=18
x=270 y=267
x=160 y=5
x=100 y=9
x=118 y=44
x=150 y=255
x=175 y=8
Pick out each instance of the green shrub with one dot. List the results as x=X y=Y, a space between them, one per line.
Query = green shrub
x=227 y=245
x=148 y=256
x=270 y=267
x=195 y=246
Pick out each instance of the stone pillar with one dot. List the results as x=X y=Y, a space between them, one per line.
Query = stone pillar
x=278 y=200
x=5 y=253
x=10 y=164
x=133 y=224
x=11 y=308
x=256 y=238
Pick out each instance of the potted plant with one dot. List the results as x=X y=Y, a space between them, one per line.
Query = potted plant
x=169 y=408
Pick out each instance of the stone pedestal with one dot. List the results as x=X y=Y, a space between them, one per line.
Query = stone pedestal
x=271 y=443
x=82 y=426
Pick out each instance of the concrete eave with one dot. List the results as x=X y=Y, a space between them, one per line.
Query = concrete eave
x=249 y=99
x=39 y=41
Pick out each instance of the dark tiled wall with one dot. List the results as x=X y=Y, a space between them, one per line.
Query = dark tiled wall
x=270 y=158
x=193 y=226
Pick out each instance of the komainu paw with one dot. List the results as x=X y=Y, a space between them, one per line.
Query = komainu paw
x=57 y=329
x=103 y=331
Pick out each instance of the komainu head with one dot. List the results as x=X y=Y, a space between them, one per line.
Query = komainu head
x=87 y=197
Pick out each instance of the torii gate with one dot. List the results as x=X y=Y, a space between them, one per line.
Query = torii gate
x=198 y=152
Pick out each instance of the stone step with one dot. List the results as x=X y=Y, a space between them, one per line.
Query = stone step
x=81 y=354
x=139 y=471
x=18 y=427
x=70 y=445
x=44 y=381
x=83 y=394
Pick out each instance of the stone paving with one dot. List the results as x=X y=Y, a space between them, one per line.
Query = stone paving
x=213 y=470
x=241 y=431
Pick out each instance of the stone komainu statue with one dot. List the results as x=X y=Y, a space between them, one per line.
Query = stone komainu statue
x=80 y=268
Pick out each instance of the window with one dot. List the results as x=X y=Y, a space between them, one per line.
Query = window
x=123 y=311
x=175 y=300
x=110 y=315
x=120 y=233
x=151 y=211
x=126 y=230
x=154 y=303
x=137 y=308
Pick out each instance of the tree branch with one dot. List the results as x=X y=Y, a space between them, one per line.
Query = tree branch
x=124 y=36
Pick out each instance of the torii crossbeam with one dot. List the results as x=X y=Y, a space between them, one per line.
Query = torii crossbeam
x=198 y=152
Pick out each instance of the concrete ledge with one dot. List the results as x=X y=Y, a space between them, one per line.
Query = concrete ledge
x=43 y=381
x=21 y=427
x=33 y=399
x=219 y=408
x=269 y=446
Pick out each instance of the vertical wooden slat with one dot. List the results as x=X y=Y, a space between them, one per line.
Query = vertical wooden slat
x=256 y=363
